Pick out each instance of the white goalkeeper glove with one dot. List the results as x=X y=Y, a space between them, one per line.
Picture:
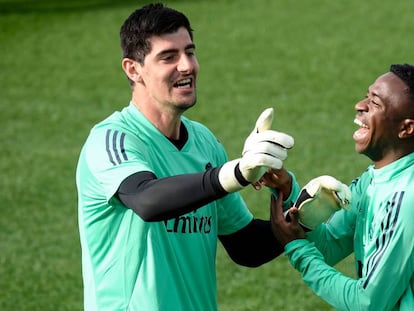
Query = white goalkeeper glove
x=263 y=149
x=320 y=199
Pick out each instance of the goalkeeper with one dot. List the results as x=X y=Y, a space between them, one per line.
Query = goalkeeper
x=378 y=227
x=155 y=189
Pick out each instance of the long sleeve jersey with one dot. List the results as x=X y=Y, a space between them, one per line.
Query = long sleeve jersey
x=379 y=229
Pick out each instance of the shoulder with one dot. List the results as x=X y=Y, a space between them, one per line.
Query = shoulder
x=127 y=121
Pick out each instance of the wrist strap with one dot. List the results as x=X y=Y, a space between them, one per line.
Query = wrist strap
x=239 y=176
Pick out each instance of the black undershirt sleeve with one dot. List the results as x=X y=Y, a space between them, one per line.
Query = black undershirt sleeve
x=165 y=198
x=252 y=245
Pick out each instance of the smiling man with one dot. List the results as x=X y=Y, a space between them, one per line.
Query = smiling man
x=378 y=227
x=156 y=191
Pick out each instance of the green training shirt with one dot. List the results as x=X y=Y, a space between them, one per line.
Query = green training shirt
x=379 y=229
x=130 y=264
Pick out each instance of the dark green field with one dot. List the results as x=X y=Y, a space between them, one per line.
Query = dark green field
x=60 y=73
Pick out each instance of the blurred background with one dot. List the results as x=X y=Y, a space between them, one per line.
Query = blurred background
x=60 y=73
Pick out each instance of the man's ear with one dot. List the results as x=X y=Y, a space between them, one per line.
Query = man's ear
x=132 y=69
x=406 y=129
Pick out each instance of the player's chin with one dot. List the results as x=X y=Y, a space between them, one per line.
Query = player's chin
x=186 y=103
x=360 y=148
x=361 y=145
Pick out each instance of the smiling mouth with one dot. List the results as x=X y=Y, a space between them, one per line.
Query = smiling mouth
x=185 y=83
x=360 y=123
x=361 y=134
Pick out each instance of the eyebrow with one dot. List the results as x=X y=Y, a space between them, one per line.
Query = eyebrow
x=169 y=51
x=369 y=91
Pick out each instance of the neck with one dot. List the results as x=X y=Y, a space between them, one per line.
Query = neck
x=390 y=158
x=166 y=120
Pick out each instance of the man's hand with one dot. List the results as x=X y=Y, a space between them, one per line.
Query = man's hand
x=320 y=198
x=284 y=231
x=279 y=180
x=263 y=150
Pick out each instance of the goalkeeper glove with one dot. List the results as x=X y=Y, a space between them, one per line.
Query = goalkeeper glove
x=320 y=199
x=263 y=149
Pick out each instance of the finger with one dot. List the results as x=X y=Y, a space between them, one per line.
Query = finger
x=276 y=211
x=294 y=214
x=264 y=122
x=274 y=137
x=265 y=147
x=257 y=185
x=272 y=209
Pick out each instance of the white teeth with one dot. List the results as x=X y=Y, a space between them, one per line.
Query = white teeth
x=359 y=123
x=183 y=83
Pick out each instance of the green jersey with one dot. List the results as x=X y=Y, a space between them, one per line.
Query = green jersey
x=379 y=230
x=130 y=264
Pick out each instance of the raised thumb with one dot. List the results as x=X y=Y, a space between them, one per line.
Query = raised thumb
x=264 y=122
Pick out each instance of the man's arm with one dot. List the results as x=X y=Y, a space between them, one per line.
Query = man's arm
x=160 y=199
x=252 y=245
x=388 y=270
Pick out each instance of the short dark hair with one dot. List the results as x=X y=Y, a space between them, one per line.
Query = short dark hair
x=150 y=20
x=406 y=73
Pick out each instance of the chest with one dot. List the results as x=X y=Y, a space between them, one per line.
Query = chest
x=166 y=160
